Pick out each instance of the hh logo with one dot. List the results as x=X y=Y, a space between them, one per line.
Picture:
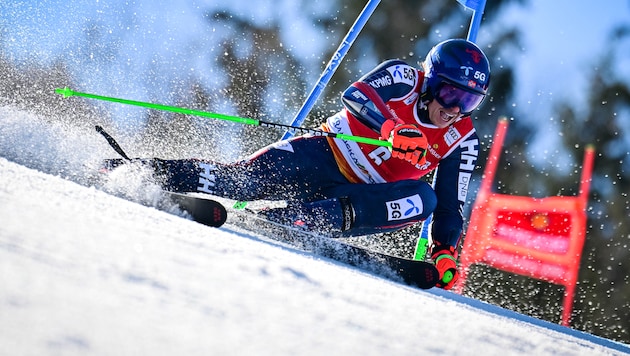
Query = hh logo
x=207 y=179
x=404 y=208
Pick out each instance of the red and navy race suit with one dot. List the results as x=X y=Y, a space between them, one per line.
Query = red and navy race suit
x=353 y=187
x=452 y=150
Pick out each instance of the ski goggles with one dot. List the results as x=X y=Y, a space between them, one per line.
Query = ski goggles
x=450 y=96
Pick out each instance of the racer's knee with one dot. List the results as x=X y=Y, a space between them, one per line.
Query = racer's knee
x=391 y=206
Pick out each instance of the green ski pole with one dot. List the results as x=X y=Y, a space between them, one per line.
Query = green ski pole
x=67 y=92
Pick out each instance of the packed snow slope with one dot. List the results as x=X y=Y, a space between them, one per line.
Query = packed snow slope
x=86 y=272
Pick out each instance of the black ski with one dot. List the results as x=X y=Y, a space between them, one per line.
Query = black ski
x=420 y=274
x=204 y=211
x=212 y=213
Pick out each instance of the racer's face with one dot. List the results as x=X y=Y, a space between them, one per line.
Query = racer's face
x=441 y=116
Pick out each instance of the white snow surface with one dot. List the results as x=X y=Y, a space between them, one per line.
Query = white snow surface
x=84 y=272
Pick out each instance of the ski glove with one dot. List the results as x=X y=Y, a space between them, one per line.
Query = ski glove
x=445 y=259
x=408 y=141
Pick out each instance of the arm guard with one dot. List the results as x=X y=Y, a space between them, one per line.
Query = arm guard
x=364 y=103
x=366 y=98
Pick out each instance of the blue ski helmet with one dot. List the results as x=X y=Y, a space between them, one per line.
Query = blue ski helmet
x=457 y=73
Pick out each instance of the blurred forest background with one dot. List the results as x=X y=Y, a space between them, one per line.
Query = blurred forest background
x=252 y=73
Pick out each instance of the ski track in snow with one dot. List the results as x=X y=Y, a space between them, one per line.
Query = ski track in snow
x=84 y=272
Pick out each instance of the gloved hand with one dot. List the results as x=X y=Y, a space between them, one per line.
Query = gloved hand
x=408 y=141
x=445 y=259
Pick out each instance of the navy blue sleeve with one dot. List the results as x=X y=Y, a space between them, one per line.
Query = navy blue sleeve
x=391 y=79
x=451 y=188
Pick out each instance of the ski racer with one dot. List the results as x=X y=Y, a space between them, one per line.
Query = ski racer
x=352 y=188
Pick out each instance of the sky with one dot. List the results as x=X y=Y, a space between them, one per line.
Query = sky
x=563 y=39
x=84 y=272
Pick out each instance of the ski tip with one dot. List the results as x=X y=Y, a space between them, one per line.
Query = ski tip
x=432 y=278
x=204 y=211
x=219 y=214
x=426 y=276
